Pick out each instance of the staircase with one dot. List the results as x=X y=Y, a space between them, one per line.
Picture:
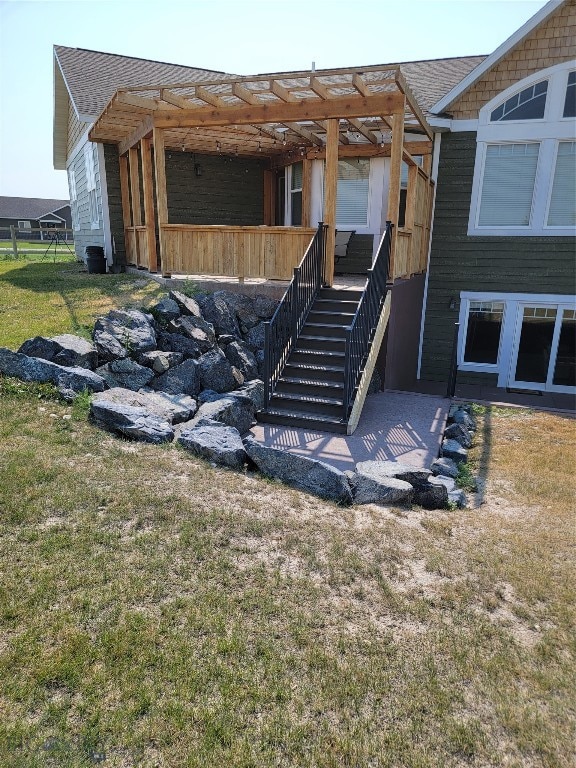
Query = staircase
x=310 y=390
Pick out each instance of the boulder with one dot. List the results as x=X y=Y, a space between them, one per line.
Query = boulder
x=226 y=338
x=457 y=497
x=215 y=442
x=242 y=358
x=309 y=475
x=160 y=361
x=187 y=305
x=431 y=495
x=372 y=484
x=67 y=349
x=453 y=450
x=234 y=411
x=165 y=310
x=216 y=311
x=463 y=417
x=131 y=421
x=130 y=327
x=126 y=373
x=176 y=342
x=254 y=390
x=395 y=469
x=255 y=337
x=182 y=379
x=209 y=396
x=264 y=306
x=444 y=466
x=238 y=376
x=459 y=433
x=43 y=371
x=107 y=346
x=216 y=372
x=171 y=408
x=195 y=328
x=242 y=307
x=448 y=482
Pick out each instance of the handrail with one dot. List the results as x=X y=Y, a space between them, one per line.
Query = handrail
x=281 y=332
x=359 y=334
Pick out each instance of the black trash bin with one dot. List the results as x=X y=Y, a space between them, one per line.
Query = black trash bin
x=95 y=260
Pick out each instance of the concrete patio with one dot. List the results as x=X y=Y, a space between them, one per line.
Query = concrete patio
x=395 y=426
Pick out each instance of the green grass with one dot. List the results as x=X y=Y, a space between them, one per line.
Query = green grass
x=155 y=611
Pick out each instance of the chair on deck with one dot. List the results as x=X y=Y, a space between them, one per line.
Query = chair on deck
x=341 y=244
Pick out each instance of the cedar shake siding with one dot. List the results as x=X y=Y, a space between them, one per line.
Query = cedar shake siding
x=461 y=263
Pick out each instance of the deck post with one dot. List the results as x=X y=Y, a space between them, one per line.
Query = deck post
x=125 y=191
x=146 y=154
x=395 y=177
x=135 y=208
x=330 y=184
x=161 y=194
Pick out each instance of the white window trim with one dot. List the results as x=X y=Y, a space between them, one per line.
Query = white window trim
x=24 y=224
x=508 y=334
x=547 y=132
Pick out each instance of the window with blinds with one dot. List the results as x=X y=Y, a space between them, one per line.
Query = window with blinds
x=352 y=192
x=296 y=194
x=508 y=185
x=562 y=210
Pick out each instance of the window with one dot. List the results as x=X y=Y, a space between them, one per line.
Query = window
x=525 y=169
x=91 y=185
x=296 y=194
x=352 y=192
x=483 y=332
x=73 y=198
x=24 y=225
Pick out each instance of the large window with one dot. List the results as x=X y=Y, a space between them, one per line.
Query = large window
x=352 y=192
x=525 y=171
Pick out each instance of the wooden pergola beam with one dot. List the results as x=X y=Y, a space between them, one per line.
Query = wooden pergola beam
x=144 y=129
x=173 y=98
x=366 y=132
x=288 y=98
x=412 y=103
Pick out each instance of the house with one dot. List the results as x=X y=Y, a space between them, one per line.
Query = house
x=503 y=255
x=33 y=213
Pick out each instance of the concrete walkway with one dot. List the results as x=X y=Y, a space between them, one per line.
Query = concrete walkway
x=395 y=426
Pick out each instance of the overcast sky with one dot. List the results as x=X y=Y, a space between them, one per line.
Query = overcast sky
x=239 y=36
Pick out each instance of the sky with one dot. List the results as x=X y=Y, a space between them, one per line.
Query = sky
x=238 y=36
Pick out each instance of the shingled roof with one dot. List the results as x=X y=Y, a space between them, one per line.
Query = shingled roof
x=29 y=207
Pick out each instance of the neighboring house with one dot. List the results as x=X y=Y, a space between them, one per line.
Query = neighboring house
x=29 y=213
x=503 y=255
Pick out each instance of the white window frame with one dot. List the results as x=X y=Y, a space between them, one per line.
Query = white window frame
x=548 y=132
x=24 y=224
x=511 y=324
x=289 y=192
x=359 y=225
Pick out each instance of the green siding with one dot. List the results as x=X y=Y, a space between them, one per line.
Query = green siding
x=462 y=263
x=115 y=201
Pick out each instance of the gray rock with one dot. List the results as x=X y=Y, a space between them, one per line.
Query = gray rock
x=431 y=495
x=165 y=310
x=43 y=371
x=242 y=307
x=254 y=390
x=457 y=497
x=234 y=411
x=67 y=349
x=238 y=376
x=255 y=337
x=396 y=469
x=444 y=466
x=176 y=342
x=195 y=328
x=216 y=311
x=453 y=450
x=264 y=306
x=448 y=482
x=182 y=379
x=309 y=475
x=160 y=361
x=216 y=372
x=126 y=373
x=209 y=396
x=171 y=408
x=130 y=327
x=188 y=305
x=242 y=358
x=372 y=485
x=215 y=442
x=131 y=421
x=259 y=355
x=226 y=338
x=461 y=416
x=107 y=346
x=459 y=433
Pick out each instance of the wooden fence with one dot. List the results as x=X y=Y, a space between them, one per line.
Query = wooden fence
x=50 y=238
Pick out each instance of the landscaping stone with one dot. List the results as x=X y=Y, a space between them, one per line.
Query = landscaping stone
x=43 y=371
x=254 y=390
x=176 y=342
x=375 y=484
x=453 y=450
x=234 y=411
x=215 y=442
x=431 y=495
x=227 y=338
x=187 y=305
x=448 y=482
x=215 y=372
x=238 y=376
x=457 y=497
x=461 y=416
x=209 y=396
x=459 y=433
x=309 y=475
x=264 y=306
x=131 y=421
x=195 y=328
x=126 y=373
x=242 y=358
x=171 y=408
x=243 y=307
x=444 y=466
x=255 y=337
x=107 y=346
x=182 y=379
x=396 y=469
x=216 y=311
x=67 y=349
x=165 y=310
x=160 y=361
x=130 y=327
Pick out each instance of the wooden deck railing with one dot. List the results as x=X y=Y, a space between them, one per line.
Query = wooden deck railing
x=265 y=252
x=412 y=240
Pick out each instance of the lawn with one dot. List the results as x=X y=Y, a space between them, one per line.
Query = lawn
x=156 y=611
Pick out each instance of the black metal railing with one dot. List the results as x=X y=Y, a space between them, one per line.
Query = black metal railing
x=282 y=331
x=360 y=333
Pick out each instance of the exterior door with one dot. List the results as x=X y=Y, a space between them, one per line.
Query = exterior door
x=543 y=355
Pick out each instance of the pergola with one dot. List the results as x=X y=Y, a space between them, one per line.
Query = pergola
x=286 y=117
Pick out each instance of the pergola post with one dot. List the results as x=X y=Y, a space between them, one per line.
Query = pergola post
x=330 y=188
x=161 y=194
x=135 y=187
x=125 y=191
x=395 y=177
x=148 y=187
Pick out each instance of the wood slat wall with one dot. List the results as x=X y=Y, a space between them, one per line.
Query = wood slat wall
x=411 y=243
